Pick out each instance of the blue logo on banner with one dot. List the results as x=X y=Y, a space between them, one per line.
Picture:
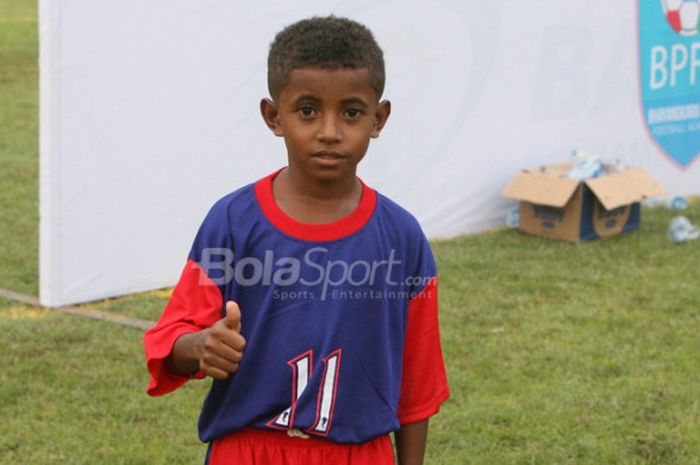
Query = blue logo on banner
x=669 y=47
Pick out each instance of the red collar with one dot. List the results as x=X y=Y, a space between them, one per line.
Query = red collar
x=314 y=232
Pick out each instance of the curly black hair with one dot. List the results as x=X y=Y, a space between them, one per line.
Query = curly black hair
x=324 y=42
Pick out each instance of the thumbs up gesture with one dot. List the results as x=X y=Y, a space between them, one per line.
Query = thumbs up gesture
x=222 y=345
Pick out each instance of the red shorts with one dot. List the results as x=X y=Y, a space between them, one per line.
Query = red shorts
x=260 y=447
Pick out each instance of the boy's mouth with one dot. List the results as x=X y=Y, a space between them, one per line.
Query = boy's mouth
x=327 y=158
x=328 y=155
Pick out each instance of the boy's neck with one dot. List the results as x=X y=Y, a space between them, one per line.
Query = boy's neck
x=315 y=201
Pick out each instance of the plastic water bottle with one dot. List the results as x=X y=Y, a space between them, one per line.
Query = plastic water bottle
x=513 y=218
x=679 y=203
x=681 y=230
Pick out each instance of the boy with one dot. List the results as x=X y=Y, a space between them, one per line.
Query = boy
x=310 y=298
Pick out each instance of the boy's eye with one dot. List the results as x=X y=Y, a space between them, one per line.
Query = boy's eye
x=353 y=112
x=306 y=111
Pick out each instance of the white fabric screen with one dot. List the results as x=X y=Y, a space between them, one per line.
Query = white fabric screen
x=149 y=113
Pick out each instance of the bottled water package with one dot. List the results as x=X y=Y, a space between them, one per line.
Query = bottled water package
x=681 y=230
x=585 y=165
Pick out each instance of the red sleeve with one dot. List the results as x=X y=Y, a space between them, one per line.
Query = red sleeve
x=424 y=381
x=196 y=304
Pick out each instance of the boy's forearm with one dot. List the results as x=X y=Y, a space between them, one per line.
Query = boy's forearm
x=184 y=359
x=410 y=443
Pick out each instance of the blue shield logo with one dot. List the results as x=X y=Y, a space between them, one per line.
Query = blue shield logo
x=669 y=57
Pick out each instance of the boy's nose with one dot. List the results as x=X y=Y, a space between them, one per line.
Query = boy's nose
x=329 y=131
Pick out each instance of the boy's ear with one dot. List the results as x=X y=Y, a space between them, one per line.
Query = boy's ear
x=269 y=112
x=381 y=114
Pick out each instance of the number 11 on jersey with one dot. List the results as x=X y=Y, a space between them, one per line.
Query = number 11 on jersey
x=302 y=370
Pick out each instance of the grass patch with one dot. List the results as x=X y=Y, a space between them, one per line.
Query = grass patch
x=19 y=146
x=72 y=390
x=571 y=353
x=143 y=306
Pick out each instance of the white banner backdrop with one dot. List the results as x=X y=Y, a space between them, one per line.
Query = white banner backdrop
x=149 y=113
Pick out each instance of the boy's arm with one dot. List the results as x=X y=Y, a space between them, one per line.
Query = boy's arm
x=194 y=307
x=424 y=381
x=410 y=443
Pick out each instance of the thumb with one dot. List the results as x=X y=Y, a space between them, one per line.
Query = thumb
x=232 y=320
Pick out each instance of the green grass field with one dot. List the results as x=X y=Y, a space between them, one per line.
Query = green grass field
x=557 y=353
x=19 y=146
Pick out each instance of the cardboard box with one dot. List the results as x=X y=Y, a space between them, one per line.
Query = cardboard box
x=554 y=206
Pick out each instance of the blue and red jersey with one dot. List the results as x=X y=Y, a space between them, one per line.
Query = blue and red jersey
x=340 y=319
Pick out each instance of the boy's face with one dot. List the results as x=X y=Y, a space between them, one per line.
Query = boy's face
x=327 y=117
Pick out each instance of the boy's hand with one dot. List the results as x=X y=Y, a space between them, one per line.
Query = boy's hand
x=220 y=347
